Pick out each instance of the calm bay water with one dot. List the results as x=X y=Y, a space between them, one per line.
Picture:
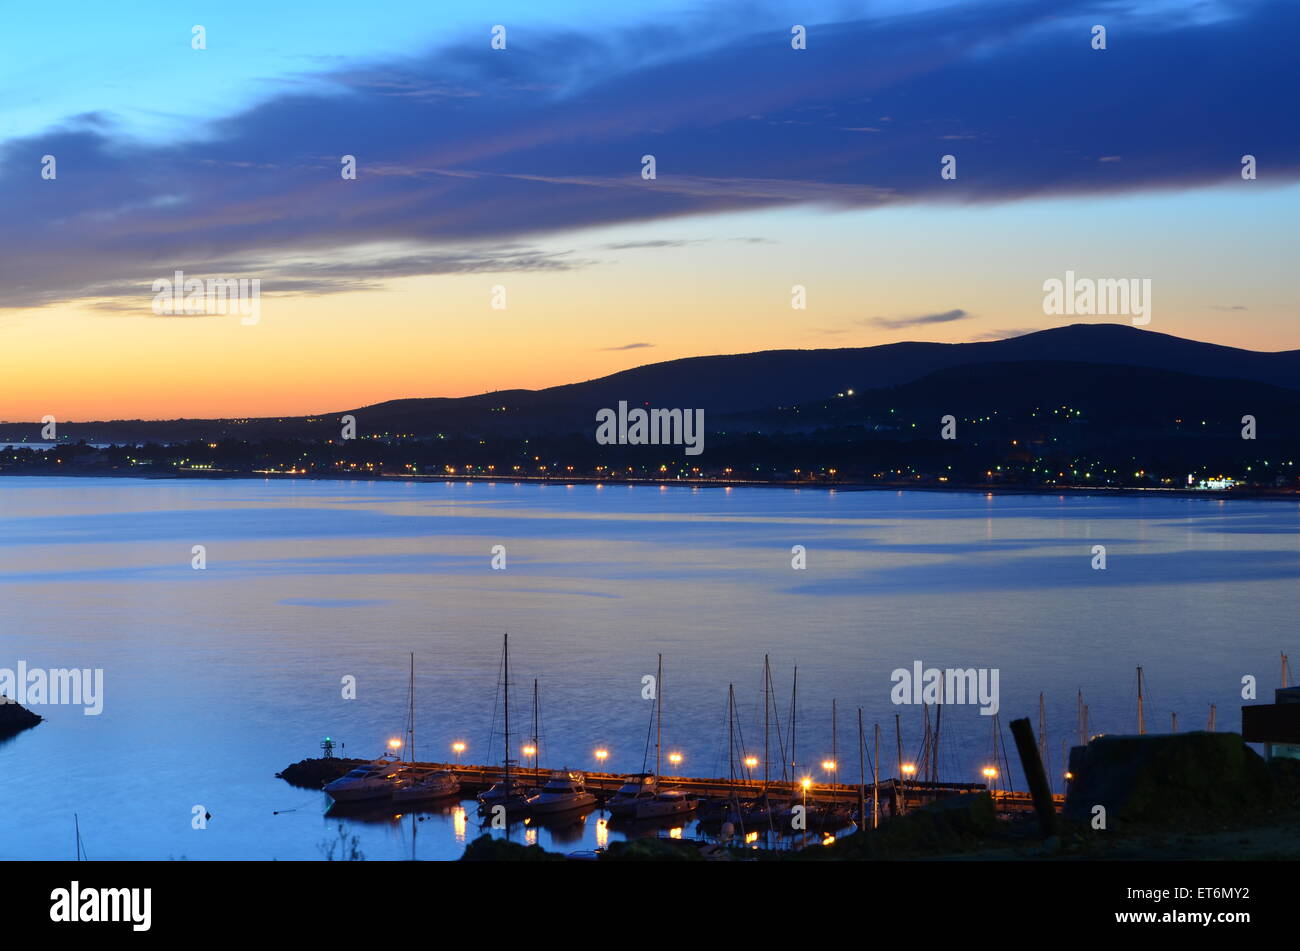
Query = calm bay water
x=217 y=679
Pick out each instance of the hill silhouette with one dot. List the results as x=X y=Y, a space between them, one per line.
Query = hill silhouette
x=760 y=387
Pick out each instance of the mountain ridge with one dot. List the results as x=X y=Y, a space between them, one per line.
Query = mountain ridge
x=729 y=384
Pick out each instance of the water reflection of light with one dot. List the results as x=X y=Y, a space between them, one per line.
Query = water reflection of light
x=459 y=823
x=675 y=833
x=751 y=837
x=530 y=835
x=602 y=833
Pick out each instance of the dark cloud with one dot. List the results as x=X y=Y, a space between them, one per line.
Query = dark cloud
x=630 y=346
x=464 y=149
x=641 y=245
x=894 y=323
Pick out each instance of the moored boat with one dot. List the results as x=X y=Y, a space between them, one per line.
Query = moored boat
x=565 y=791
x=507 y=792
x=643 y=796
x=413 y=787
x=639 y=788
x=666 y=802
x=375 y=780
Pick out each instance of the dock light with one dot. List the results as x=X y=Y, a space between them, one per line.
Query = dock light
x=458 y=747
x=990 y=772
x=601 y=755
x=1068 y=775
x=908 y=769
x=394 y=744
x=751 y=761
x=828 y=765
x=530 y=750
x=806 y=783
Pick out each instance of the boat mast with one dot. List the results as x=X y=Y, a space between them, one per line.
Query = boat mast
x=862 y=771
x=537 y=748
x=1042 y=732
x=834 y=751
x=794 y=715
x=926 y=741
x=659 y=714
x=731 y=739
x=505 y=677
x=410 y=715
x=1142 y=727
x=934 y=752
x=875 y=783
x=767 y=694
x=898 y=734
x=1079 y=716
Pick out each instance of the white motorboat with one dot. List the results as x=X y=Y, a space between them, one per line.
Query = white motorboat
x=563 y=792
x=413 y=787
x=372 y=781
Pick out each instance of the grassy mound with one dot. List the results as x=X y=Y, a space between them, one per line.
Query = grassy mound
x=1165 y=779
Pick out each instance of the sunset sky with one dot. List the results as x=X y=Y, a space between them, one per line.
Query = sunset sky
x=522 y=168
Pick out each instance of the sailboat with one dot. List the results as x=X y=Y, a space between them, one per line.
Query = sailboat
x=818 y=816
x=642 y=796
x=412 y=785
x=762 y=809
x=508 y=791
x=717 y=811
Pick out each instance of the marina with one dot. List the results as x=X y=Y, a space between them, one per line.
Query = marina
x=317 y=580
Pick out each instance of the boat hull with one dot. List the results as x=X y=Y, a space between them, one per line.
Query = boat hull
x=566 y=804
x=359 y=793
x=420 y=793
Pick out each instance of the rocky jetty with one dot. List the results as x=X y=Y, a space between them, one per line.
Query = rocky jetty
x=314 y=773
x=15 y=718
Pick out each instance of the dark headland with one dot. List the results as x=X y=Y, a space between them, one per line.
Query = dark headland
x=15 y=718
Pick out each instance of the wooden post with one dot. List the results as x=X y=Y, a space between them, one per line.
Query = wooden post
x=1032 y=764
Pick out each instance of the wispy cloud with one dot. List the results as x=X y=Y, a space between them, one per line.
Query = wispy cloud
x=630 y=346
x=920 y=320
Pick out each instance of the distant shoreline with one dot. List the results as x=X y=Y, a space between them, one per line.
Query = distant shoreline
x=1253 y=494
